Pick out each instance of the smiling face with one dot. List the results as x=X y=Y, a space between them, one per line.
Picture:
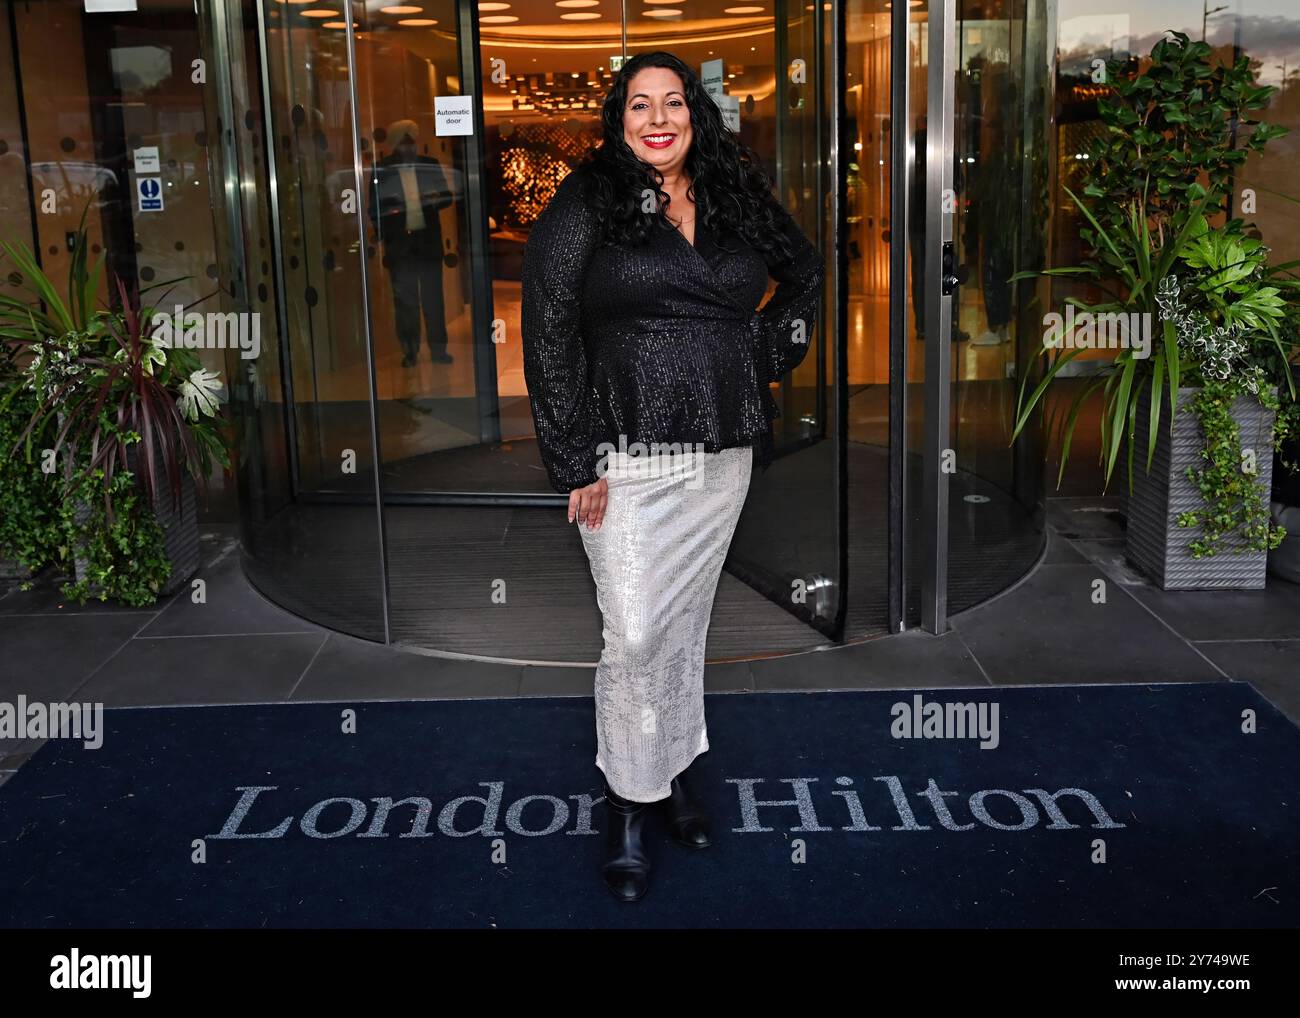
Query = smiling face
x=656 y=119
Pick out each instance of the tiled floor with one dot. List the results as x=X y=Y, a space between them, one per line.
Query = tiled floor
x=1051 y=628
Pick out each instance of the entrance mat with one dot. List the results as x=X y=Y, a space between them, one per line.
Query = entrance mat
x=1058 y=806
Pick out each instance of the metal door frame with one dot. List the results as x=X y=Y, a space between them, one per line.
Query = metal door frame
x=939 y=286
x=932 y=541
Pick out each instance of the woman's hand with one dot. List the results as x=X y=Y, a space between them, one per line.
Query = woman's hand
x=589 y=504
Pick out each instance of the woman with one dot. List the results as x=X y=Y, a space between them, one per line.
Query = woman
x=648 y=368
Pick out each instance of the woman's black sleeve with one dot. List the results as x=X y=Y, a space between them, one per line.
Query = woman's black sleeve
x=565 y=417
x=785 y=323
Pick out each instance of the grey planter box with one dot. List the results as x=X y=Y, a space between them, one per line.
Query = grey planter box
x=180 y=527
x=1157 y=545
x=180 y=532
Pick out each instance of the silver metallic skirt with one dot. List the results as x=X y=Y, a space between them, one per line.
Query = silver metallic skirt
x=656 y=561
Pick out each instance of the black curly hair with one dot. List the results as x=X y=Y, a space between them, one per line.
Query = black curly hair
x=728 y=185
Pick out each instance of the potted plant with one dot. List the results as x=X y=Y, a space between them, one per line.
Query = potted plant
x=131 y=425
x=1201 y=381
x=28 y=505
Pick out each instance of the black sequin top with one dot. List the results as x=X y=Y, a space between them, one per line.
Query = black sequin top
x=658 y=343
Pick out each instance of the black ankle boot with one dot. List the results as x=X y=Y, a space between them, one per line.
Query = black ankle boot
x=627 y=863
x=687 y=821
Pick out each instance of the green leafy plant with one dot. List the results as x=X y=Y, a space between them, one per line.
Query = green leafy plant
x=1169 y=134
x=1224 y=321
x=108 y=385
x=1127 y=267
x=1234 y=500
x=29 y=501
x=116 y=539
x=92 y=390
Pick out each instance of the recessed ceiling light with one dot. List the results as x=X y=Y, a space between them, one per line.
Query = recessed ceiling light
x=577 y=3
x=418 y=22
x=492 y=5
x=319 y=14
x=580 y=16
x=662 y=12
x=742 y=10
x=402 y=10
x=499 y=19
x=336 y=24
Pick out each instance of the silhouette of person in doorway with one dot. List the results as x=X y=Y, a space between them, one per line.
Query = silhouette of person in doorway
x=409 y=191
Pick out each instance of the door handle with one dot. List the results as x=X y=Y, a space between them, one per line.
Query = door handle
x=952 y=276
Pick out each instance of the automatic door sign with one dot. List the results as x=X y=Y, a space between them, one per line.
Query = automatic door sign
x=149 y=191
x=711 y=73
x=453 y=114
x=146 y=160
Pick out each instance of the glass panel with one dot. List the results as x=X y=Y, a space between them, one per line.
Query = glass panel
x=775 y=81
x=434 y=408
x=322 y=553
x=435 y=380
x=121 y=86
x=870 y=235
x=1265 y=31
x=247 y=274
x=544 y=70
x=77 y=158
x=912 y=378
x=16 y=211
x=1000 y=178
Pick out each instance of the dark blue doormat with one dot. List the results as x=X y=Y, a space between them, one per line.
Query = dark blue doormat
x=1197 y=820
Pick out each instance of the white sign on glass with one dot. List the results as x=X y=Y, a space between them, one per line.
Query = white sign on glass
x=146 y=160
x=453 y=114
x=730 y=106
x=711 y=72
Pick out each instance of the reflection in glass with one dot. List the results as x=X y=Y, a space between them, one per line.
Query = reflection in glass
x=999 y=175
